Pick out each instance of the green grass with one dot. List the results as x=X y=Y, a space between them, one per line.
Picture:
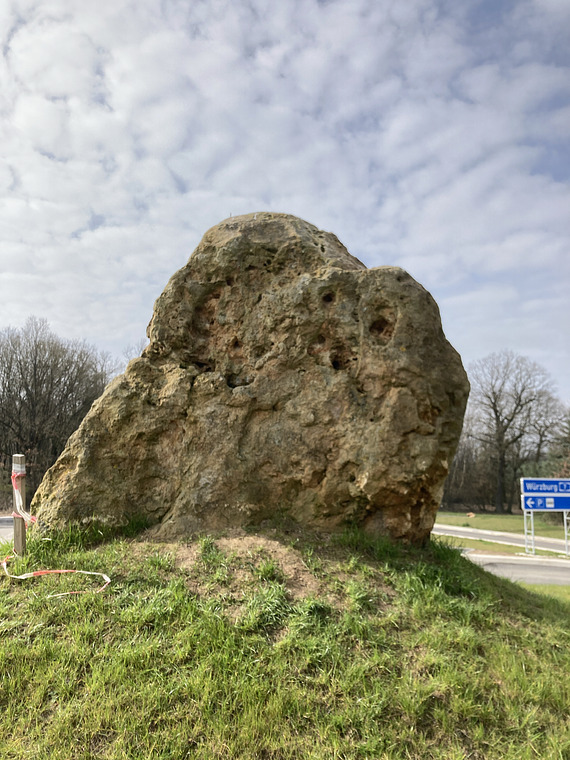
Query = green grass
x=558 y=592
x=493 y=548
x=506 y=523
x=343 y=649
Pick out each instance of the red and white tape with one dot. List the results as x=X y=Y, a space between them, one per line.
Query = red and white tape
x=37 y=573
x=18 y=472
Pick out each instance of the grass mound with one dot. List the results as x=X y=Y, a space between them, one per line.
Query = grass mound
x=278 y=646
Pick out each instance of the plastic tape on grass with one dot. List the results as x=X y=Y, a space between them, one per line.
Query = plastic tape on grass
x=37 y=573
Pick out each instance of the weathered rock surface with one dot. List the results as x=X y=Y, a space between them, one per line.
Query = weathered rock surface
x=282 y=377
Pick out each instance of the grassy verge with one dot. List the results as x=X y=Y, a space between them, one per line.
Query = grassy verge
x=494 y=548
x=278 y=647
x=561 y=593
x=506 y=523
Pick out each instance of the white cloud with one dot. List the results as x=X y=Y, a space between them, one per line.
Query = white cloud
x=430 y=135
x=54 y=58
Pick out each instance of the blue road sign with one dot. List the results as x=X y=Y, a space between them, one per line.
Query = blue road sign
x=545 y=494
x=541 y=486
x=546 y=503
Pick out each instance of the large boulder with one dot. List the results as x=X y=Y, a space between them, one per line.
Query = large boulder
x=283 y=379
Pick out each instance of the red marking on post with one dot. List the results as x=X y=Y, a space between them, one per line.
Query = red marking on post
x=28 y=518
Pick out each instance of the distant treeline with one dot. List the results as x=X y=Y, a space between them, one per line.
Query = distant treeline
x=47 y=385
x=515 y=427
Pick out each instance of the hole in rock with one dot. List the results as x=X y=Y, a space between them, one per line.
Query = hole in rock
x=382 y=329
x=204 y=366
x=378 y=327
x=341 y=357
x=236 y=381
x=328 y=297
x=317 y=478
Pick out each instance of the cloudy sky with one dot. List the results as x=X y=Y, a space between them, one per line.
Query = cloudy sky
x=428 y=134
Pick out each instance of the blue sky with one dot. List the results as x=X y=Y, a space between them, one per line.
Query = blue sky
x=432 y=135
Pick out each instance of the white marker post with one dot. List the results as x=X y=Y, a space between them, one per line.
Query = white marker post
x=19 y=496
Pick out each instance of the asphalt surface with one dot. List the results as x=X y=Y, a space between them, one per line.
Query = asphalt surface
x=536 y=570
x=6 y=528
x=497 y=537
x=529 y=569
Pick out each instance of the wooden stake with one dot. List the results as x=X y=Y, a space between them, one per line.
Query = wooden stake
x=19 y=467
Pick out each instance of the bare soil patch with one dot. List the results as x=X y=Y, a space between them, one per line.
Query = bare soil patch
x=245 y=554
x=243 y=561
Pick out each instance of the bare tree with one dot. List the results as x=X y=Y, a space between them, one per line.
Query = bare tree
x=47 y=385
x=515 y=414
x=133 y=350
x=559 y=454
x=468 y=482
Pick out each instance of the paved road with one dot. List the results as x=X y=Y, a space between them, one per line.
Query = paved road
x=541 y=570
x=6 y=528
x=512 y=539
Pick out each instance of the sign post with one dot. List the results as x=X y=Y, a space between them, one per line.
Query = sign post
x=544 y=495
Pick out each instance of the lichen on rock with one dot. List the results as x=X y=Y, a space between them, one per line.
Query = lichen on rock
x=282 y=378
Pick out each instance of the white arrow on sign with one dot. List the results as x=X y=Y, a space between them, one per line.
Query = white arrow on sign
x=530 y=503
